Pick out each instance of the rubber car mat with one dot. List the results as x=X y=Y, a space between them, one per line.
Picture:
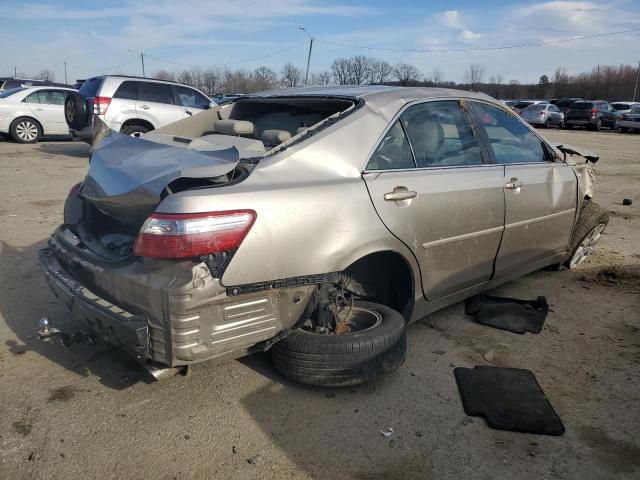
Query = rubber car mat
x=511 y=314
x=508 y=398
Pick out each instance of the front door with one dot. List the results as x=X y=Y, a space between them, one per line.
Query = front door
x=432 y=189
x=540 y=192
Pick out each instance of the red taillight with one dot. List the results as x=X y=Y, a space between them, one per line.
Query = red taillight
x=75 y=189
x=188 y=235
x=594 y=112
x=100 y=105
x=542 y=112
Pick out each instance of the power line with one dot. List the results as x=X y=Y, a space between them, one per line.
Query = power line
x=247 y=60
x=481 y=49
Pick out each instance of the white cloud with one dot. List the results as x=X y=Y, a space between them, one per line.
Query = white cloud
x=470 y=35
x=451 y=18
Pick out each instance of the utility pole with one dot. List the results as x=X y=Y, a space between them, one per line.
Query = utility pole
x=65 y=74
x=306 y=77
x=142 y=61
x=635 y=90
x=15 y=72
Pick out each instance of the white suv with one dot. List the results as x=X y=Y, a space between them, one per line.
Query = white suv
x=131 y=105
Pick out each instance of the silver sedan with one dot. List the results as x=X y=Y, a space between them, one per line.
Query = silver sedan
x=314 y=223
x=543 y=115
x=629 y=120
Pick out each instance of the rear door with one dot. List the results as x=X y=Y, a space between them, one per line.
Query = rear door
x=158 y=104
x=540 y=193
x=48 y=108
x=123 y=103
x=432 y=188
x=191 y=100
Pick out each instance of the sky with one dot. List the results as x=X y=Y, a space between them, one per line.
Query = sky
x=96 y=37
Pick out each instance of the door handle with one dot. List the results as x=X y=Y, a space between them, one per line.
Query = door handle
x=400 y=195
x=513 y=184
x=145 y=107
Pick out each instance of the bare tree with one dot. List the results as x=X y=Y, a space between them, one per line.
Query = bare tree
x=211 y=80
x=46 y=75
x=473 y=75
x=265 y=79
x=340 y=68
x=164 y=75
x=322 y=78
x=291 y=75
x=437 y=77
x=379 y=71
x=406 y=74
x=495 y=81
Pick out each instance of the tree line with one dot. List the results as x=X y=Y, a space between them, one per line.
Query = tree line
x=605 y=82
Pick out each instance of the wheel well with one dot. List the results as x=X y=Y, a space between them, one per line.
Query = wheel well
x=26 y=117
x=137 y=122
x=383 y=277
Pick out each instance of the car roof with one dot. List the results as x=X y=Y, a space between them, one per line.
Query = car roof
x=46 y=87
x=142 y=79
x=375 y=95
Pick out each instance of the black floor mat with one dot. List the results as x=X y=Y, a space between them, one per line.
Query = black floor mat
x=509 y=399
x=510 y=314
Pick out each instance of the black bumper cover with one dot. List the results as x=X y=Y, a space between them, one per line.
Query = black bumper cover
x=110 y=322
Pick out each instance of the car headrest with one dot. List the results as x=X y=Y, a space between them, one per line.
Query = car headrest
x=234 y=127
x=427 y=133
x=275 y=137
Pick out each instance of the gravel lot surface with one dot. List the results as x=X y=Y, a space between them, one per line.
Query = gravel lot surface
x=86 y=411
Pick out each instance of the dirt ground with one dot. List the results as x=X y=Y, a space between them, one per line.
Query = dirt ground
x=86 y=411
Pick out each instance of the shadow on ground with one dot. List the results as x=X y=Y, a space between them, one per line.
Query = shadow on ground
x=25 y=298
x=66 y=148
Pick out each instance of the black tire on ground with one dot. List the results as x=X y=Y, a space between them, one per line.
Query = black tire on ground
x=134 y=130
x=546 y=123
x=347 y=359
x=75 y=111
x=591 y=215
x=25 y=130
x=598 y=125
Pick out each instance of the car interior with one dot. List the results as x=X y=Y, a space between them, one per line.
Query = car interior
x=253 y=125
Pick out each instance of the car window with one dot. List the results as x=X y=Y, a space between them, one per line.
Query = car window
x=582 y=106
x=553 y=108
x=440 y=135
x=620 y=106
x=510 y=139
x=51 y=97
x=128 y=91
x=157 y=92
x=188 y=97
x=536 y=107
x=90 y=87
x=635 y=110
x=393 y=152
x=32 y=98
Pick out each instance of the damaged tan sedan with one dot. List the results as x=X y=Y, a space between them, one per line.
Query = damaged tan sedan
x=315 y=223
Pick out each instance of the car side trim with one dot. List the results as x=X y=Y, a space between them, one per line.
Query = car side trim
x=539 y=219
x=466 y=236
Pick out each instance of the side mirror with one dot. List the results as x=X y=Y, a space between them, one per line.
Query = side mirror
x=209 y=105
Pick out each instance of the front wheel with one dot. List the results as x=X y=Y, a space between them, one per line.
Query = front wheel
x=375 y=344
x=25 y=130
x=587 y=233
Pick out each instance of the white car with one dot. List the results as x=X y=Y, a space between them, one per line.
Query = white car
x=630 y=121
x=131 y=105
x=28 y=113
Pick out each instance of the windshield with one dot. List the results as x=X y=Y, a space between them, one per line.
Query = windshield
x=90 y=87
x=8 y=93
x=582 y=106
x=635 y=110
x=535 y=108
x=564 y=103
x=522 y=105
x=621 y=106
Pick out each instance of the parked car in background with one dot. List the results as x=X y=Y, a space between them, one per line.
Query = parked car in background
x=623 y=107
x=591 y=114
x=520 y=106
x=9 y=83
x=564 y=103
x=511 y=103
x=543 y=115
x=630 y=120
x=28 y=113
x=131 y=105
x=314 y=223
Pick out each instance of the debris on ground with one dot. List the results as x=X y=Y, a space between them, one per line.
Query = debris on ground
x=615 y=276
x=387 y=433
x=254 y=460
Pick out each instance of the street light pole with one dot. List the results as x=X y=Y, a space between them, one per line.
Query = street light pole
x=142 y=61
x=65 y=74
x=306 y=77
x=635 y=90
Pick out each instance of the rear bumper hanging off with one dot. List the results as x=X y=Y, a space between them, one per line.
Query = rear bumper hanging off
x=115 y=325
